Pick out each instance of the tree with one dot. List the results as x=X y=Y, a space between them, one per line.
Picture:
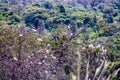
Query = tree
x=41 y=27
x=62 y=9
x=86 y=20
x=110 y=19
x=47 y=5
x=73 y=27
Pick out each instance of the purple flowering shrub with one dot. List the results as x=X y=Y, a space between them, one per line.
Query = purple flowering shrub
x=24 y=56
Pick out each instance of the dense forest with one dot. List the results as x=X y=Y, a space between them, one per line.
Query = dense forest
x=59 y=39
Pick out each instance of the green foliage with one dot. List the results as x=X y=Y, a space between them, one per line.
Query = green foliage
x=114 y=52
x=8 y=16
x=47 y=5
x=92 y=35
x=86 y=20
x=116 y=4
x=62 y=9
x=58 y=14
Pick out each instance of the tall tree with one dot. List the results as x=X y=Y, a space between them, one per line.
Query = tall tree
x=41 y=27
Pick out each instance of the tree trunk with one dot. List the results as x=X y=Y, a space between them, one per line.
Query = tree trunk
x=87 y=70
x=78 y=65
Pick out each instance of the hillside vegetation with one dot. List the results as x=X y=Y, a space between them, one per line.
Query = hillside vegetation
x=60 y=40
